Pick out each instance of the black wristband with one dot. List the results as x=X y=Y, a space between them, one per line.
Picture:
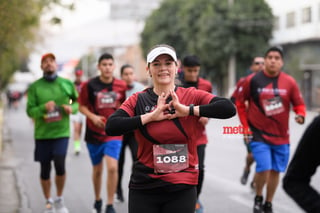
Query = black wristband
x=191 y=112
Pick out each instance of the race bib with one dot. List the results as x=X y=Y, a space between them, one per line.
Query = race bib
x=168 y=158
x=53 y=116
x=106 y=100
x=273 y=106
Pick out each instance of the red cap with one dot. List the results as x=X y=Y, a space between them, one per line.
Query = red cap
x=47 y=55
x=79 y=72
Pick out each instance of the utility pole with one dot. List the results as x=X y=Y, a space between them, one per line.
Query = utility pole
x=231 y=66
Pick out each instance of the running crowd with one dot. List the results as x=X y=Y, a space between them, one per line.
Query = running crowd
x=164 y=127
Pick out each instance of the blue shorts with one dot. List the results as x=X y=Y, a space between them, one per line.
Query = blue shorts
x=46 y=149
x=270 y=157
x=110 y=148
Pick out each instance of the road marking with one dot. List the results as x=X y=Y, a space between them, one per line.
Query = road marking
x=235 y=186
x=279 y=207
x=247 y=201
x=242 y=200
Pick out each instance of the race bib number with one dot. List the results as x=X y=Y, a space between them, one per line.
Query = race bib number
x=106 y=100
x=53 y=116
x=168 y=158
x=273 y=106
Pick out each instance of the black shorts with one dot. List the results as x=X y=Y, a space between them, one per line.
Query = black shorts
x=46 y=149
x=161 y=201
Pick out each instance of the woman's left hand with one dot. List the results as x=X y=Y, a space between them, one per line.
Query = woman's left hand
x=180 y=109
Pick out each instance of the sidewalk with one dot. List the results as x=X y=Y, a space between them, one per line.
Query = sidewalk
x=9 y=194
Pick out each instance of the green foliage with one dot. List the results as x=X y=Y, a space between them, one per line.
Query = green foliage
x=156 y=27
x=212 y=29
x=17 y=20
x=19 y=24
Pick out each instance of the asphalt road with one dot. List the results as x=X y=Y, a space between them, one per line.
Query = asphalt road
x=222 y=191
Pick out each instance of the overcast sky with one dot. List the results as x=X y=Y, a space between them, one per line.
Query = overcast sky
x=89 y=27
x=67 y=41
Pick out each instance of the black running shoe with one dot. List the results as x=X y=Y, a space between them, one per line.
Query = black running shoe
x=244 y=177
x=253 y=185
x=258 y=208
x=120 y=197
x=110 y=209
x=267 y=207
x=97 y=206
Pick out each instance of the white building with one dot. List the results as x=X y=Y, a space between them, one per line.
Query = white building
x=297 y=30
x=295 y=20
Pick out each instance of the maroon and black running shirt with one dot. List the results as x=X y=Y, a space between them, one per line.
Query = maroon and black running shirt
x=164 y=132
x=270 y=99
x=101 y=99
x=204 y=85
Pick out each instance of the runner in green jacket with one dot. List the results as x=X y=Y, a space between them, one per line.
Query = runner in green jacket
x=51 y=100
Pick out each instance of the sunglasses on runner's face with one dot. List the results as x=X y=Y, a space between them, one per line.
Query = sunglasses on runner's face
x=258 y=62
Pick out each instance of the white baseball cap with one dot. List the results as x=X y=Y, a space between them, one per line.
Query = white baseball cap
x=153 y=54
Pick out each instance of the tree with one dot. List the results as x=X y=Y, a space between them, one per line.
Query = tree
x=16 y=17
x=213 y=30
x=19 y=26
x=162 y=27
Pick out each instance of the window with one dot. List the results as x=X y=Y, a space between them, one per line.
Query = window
x=291 y=22
x=276 y=23
x=319 y=12
x=306 y=15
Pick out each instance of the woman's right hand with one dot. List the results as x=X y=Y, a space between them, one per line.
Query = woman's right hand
x=160 y=112
x=50 y=105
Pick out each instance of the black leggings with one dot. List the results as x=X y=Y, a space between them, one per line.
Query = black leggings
x=302 y=167
x=162 y=202
x=201 y=154
x=128 y=140
x=59 y=164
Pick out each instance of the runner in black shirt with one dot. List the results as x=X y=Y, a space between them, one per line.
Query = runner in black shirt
x=302 y=167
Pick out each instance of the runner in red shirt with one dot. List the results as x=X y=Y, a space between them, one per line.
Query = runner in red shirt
x=99 y=98
x=165 y=176
x=191 y=70
x=77 y=119
x=256 y=66
x=269 y=95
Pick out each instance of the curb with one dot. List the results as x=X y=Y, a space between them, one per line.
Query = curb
x=11 y=182
x=1 y=129
x=10 y=200
x=24 y=206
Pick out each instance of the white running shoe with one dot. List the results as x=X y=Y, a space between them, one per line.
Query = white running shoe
x=49 y=208
x=59 y=206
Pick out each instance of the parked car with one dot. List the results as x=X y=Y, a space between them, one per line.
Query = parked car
x=15 y=91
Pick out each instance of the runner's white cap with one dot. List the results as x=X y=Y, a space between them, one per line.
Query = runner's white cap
x=153 y=54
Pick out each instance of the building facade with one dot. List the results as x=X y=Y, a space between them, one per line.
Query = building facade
x=297 y=30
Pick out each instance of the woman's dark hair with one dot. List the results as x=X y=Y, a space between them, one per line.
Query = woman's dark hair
x=123 y=67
